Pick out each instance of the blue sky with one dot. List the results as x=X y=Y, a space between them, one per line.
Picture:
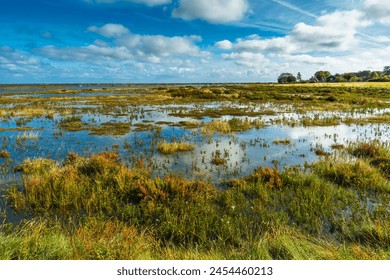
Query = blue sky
x=80 y=41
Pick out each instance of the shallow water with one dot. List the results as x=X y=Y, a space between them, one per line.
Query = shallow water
x=243 y=151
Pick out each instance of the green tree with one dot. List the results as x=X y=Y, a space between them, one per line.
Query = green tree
x=349 y=76
x=299 y=77
x=386 y=70
x=286 y=78
x=374 y=75
x=322 y=76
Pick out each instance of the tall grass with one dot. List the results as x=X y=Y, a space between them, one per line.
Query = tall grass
x=224 y=127
x=171 y=148
x=331 y=210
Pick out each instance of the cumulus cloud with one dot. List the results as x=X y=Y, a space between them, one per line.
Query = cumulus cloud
x=333 y=42
x=246 y=59
x=377 y=10
x=214 y=11
x=224 y=45
x=110 y=30
x=89 y=53
x=16 y=64
x=16 y=60
x=146 y=2
x=124 y=45
x=158 y=46
x=332 y=32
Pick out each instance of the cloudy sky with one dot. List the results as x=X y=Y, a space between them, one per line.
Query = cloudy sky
x=66 y=41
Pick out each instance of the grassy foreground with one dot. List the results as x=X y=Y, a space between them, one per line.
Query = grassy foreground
x=96 y=208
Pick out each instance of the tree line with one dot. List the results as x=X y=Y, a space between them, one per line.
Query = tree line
x=327 y=77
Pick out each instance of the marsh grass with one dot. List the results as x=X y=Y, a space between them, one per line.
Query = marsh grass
x=72 y=123
x=282 y=141
x=317 y=121
x=218 y=160
x=107 y=211
x=4 y=154
x=96 y=207
x=110 y=128
x=28 y=136
x=224 y=127
x=174 y=147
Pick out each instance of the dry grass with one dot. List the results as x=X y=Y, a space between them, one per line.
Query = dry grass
x=28 y=136
x=4 y=154
x=282 y=141
x=171 y=148
x=107 y=211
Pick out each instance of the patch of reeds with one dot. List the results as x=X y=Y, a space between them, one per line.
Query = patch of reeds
x=285 y=141
x=72 y=123
x=4 y=154
x=27 y=136
x=317 y=121
x=224 y=127
x=108 y=211
x=174 y=147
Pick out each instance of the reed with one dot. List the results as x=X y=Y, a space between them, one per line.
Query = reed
x=175 y=147
x=108 y=211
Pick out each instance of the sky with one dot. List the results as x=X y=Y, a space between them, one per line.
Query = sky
x=189 y=41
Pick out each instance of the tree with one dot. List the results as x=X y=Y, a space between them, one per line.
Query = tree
x=299 y=77
x=286 y=78
x=340 y=79
x=375 y=75
x=322 y=76
x=364 y=75
x=349 y=76
x=386 y=70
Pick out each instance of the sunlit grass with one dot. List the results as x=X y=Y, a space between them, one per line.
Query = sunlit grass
x=112 y=212
x=28 y=136
x=170 y=148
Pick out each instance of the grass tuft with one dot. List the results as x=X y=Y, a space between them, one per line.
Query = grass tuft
x=171 y=148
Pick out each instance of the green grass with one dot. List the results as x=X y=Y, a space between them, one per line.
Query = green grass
x=171 y=148
x=98 y=208
x=233 y=125
x=105 y=210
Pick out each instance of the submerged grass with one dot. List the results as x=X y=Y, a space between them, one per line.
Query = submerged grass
x=106 y=211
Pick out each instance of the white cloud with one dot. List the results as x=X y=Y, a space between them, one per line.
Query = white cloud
x=158 y=46
x=214 y=11
x=334 y=42
x=224 y=45
x=125 y=45
x=333 y=33
x=16 y=64
x=246 y=59
x=146 y=2
x=377 y=10
x=91 y=53
x=110 y=30
x=12 y=59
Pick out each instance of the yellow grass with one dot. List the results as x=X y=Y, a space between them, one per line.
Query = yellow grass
x=170 y=148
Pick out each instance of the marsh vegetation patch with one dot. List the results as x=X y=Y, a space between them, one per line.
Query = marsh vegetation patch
x=195 y=171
